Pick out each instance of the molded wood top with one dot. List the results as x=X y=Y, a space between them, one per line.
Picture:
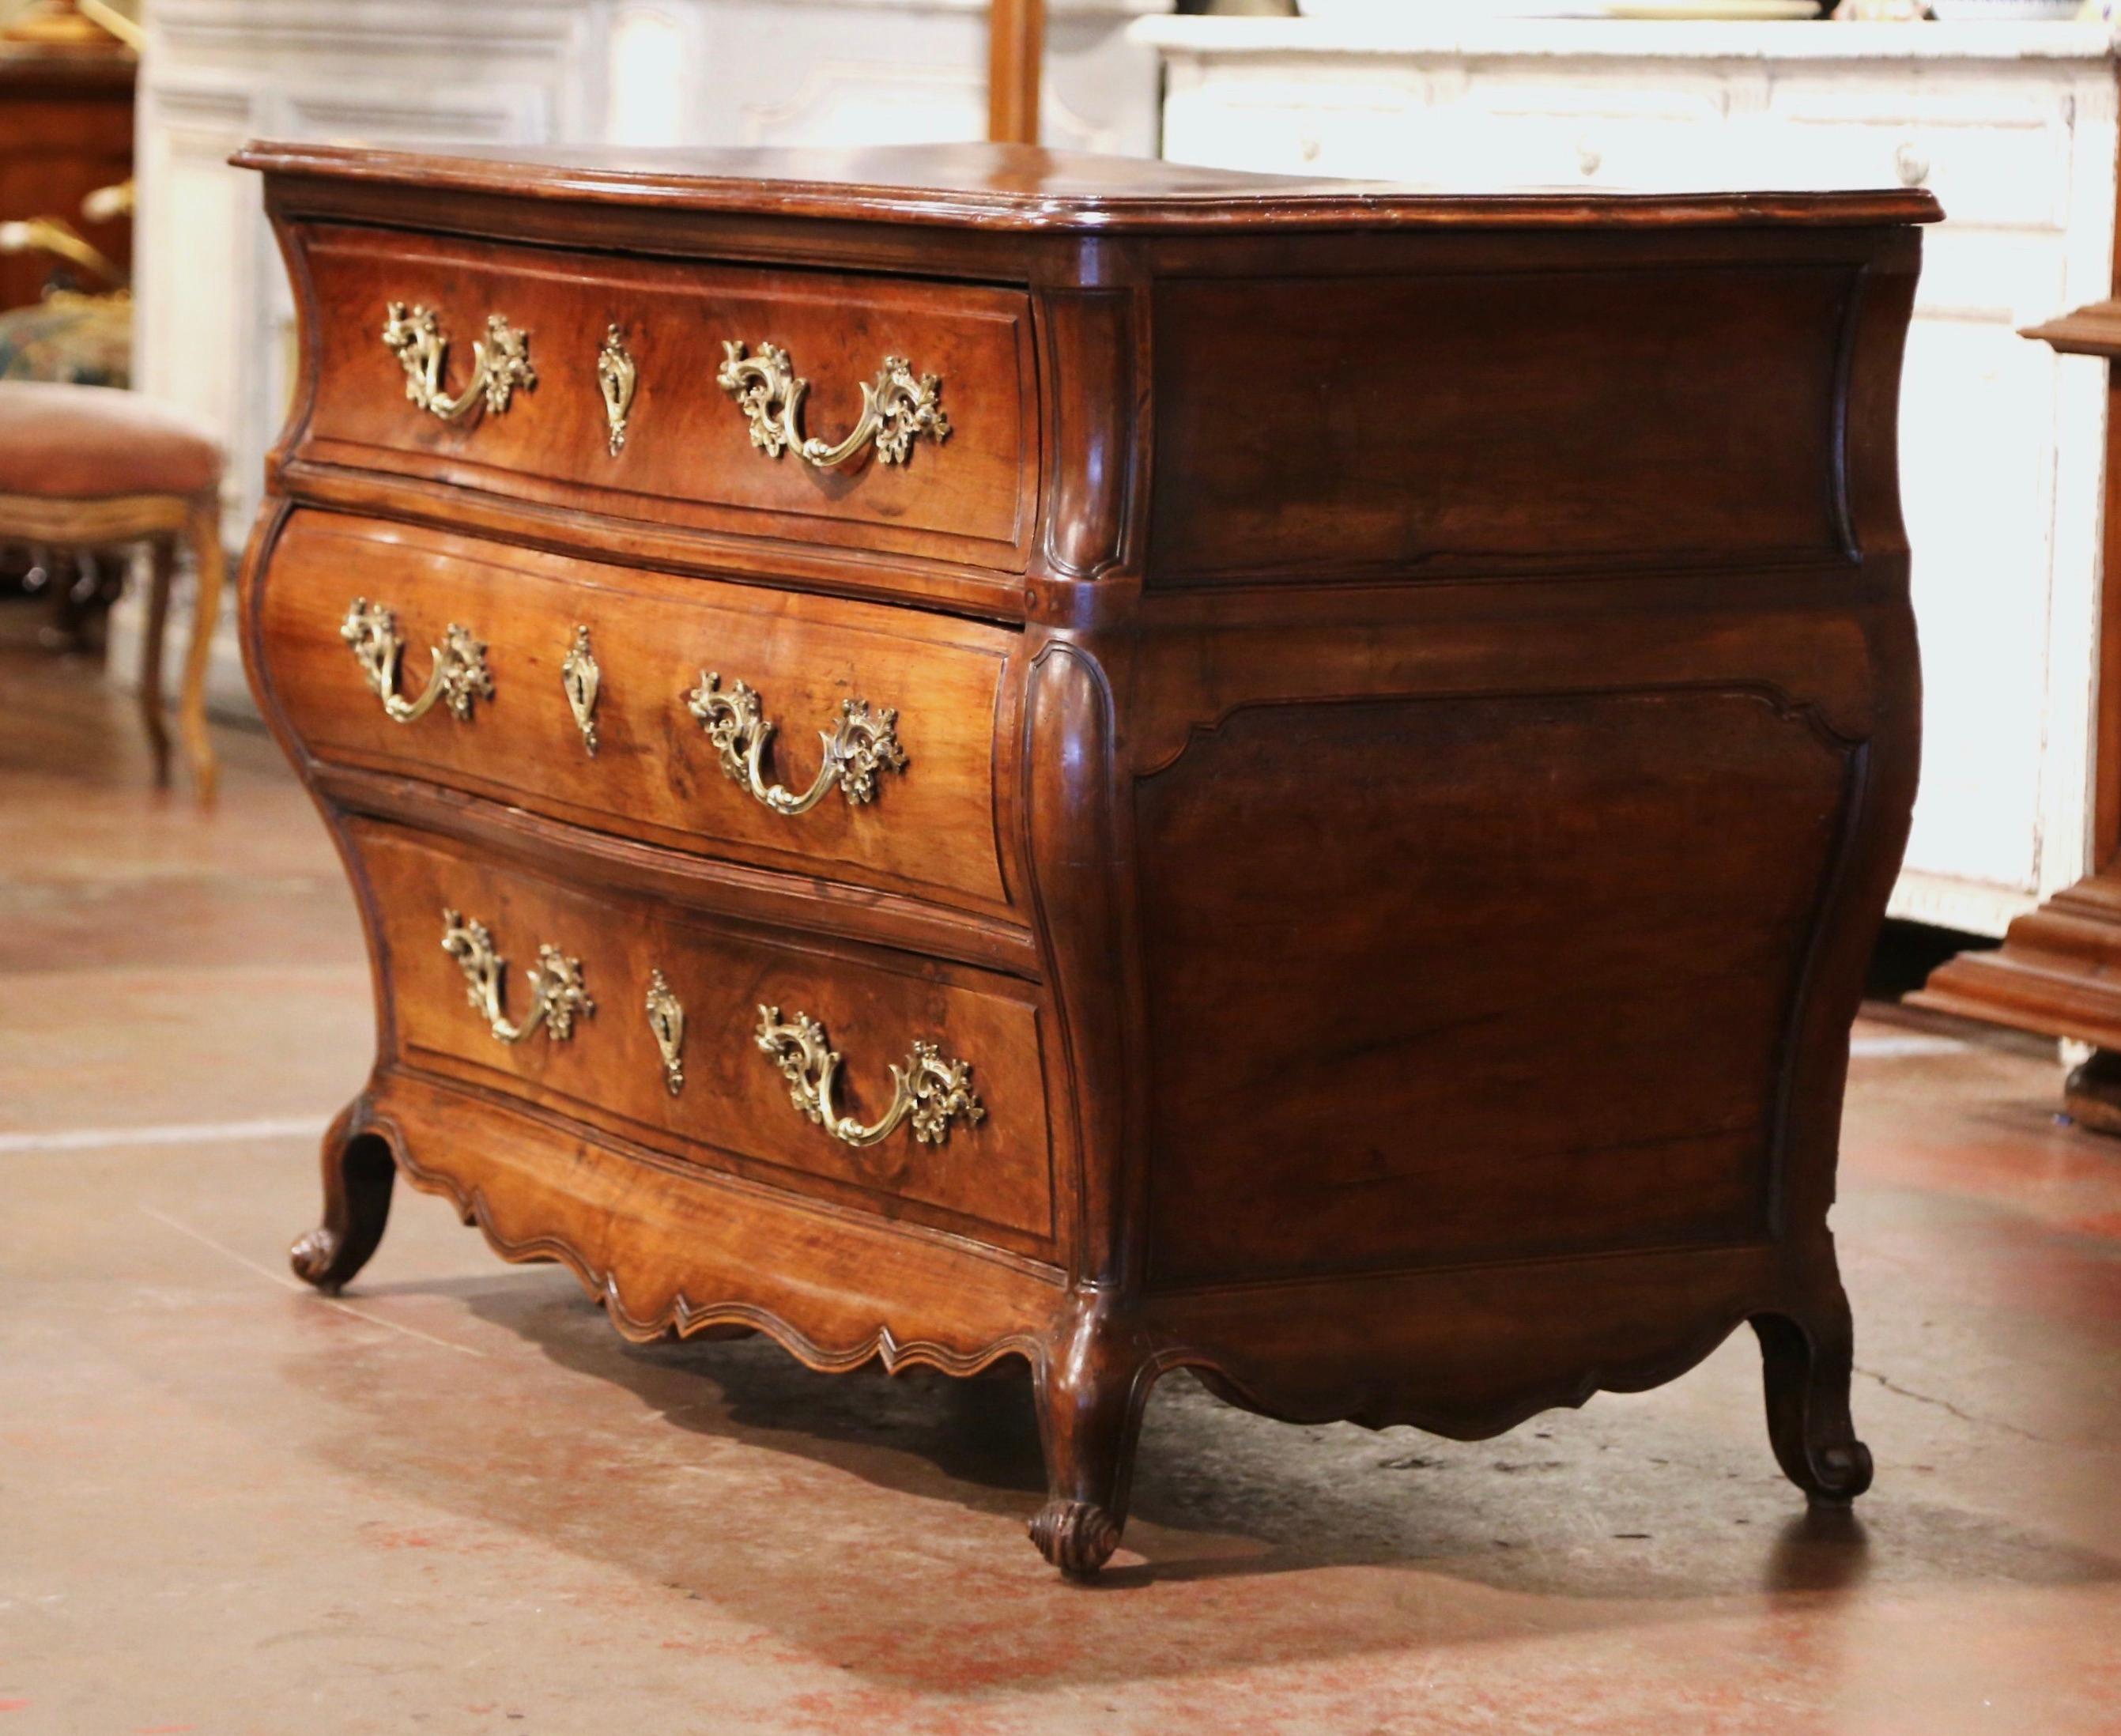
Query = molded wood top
x=1021 y=187
x=2091 y=330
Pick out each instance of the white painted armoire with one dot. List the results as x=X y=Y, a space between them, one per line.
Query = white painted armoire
x=2003 y=442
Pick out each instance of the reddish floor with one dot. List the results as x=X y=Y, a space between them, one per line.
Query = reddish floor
x=453 y=1500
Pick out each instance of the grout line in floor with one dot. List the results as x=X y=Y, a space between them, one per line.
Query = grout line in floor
x=174 y=1133
x=287 y=1283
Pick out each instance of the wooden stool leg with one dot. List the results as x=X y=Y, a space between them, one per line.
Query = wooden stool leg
x=163 y=566
x=209 y=570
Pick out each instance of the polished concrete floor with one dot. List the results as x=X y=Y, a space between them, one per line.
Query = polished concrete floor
x=453 y=1501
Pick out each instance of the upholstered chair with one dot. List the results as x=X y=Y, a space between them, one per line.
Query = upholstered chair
x=89 y=468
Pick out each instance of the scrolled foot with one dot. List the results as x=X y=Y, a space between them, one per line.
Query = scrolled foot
x=1092 y=1380
x=1076 y=1536
x=312 y=1255
x=1839 y=1474
x=357 y=1174
x=1807 y=1366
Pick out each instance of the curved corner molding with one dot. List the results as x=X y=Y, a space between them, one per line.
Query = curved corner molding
x=897 y=407
x=928 y=1091
x=860 y=745
x=458 y=676
x=557 y=997
x=500 y=363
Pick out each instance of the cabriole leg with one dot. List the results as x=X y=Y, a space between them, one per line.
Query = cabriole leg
x=1808 y=1363
x=357 y=1174
x=1091 y=1389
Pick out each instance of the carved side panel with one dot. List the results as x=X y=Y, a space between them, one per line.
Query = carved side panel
x=1520 y=424
x=1091 y=414
x=1450 y=980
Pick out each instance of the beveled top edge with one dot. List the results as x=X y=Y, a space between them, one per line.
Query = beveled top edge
x=1025 y=188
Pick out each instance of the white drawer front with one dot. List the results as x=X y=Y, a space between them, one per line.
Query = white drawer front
x=1996 y=156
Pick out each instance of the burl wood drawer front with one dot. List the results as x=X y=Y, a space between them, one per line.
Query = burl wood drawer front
x=685 y=455
x=628 y=968
x=1601 y=906
x=927 y=824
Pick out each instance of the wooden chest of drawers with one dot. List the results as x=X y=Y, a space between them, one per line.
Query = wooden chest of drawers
x=1361 y=743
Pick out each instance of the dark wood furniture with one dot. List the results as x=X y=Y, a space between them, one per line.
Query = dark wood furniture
x=1361 y=744
x=85 y=468
x=66 y=129
x=2058 y=970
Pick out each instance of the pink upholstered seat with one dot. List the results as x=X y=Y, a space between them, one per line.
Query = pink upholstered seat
x=90 y=442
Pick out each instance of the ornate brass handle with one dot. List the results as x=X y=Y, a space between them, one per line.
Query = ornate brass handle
x=896 y=408
x=860 y=745
x=580 y=678
x=929 y=1091
x=500 y=363
x=458 y=675
x=615 y=375
x=666 y=1020
x=556 y=985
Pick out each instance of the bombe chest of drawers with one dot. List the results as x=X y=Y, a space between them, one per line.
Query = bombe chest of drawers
x=963 y=754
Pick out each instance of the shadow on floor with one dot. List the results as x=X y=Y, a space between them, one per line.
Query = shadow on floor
x=1622 y=1515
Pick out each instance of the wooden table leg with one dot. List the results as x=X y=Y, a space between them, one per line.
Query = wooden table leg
x=163 y=559
x=209 y=570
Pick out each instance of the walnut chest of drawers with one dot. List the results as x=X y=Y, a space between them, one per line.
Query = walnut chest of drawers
x=961 y=754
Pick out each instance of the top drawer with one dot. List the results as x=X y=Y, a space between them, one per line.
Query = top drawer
x=404 y=335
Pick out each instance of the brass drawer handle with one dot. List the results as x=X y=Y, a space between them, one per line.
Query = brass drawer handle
x=580 y=678
x=896 y=408
x=615 y=375
x=458 y=678
x=666 y=1019
x=860 y=745
x=928 y=1090
x=500 y=363
x=556 y=985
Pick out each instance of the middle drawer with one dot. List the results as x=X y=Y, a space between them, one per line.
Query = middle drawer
x=847 y=740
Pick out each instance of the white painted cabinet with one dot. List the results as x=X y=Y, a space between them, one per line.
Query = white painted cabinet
x=2013 y=128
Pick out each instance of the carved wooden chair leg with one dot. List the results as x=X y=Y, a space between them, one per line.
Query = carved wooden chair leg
x=357 y=1175
x=1808 y=1366
x=209 y=569
x=162 y=568
x=1090 y=1390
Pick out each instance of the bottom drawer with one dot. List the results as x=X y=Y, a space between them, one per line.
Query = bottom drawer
x=648 y=1021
